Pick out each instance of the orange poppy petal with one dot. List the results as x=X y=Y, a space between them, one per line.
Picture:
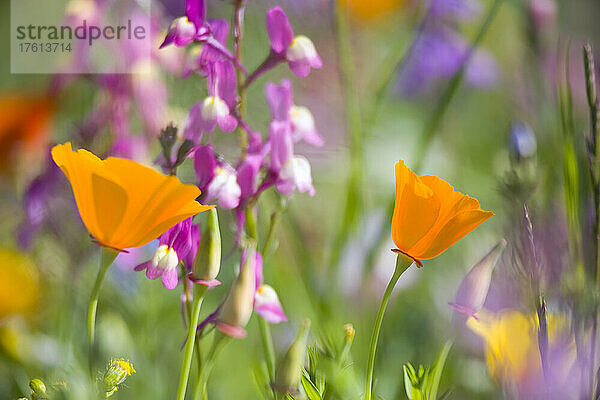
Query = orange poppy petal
x=110 y=204
x=189 y=210
x=457 y=228
x=452 y=202
x=78 y=172
x=415 y=211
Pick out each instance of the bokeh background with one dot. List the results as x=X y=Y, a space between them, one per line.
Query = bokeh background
x=44 y=287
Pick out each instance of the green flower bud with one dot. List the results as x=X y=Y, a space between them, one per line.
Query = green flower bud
x=117 y=370
x=38 y=389
x=208 y=260
x=289 y=370
x=237 y=308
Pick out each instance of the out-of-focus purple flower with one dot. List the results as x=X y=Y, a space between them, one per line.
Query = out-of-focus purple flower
x=266 y=300
x=473 y=289
x=216 y=108
x=455 y=10
x=35 y=203
x=150 y=94
x=291 y=171
x=299 y=51
x=439 y=53
x=217 y=180
x=184 y=30
x=131 y=147
x=280 y=99
x=174 y=245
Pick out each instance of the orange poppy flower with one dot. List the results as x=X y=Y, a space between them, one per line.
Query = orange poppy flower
x=124 y=204
x=429 y=215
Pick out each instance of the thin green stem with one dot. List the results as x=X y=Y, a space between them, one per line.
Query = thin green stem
x=191 y=339
x=107 y=256
x=238 y=31
x=402 y=264
x=265 y=332
x=274 y=219
x=200 y=391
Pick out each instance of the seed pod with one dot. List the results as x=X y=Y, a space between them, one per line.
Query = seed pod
x=237 y=308
x=289 y=370
x=208 y=260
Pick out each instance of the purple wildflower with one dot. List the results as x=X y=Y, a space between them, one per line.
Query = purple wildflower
x=280 y=99
x=291 y=171
x=174 y=245
x=299 y=51
x=217 y=180
x=266 y=300
x=216 y=108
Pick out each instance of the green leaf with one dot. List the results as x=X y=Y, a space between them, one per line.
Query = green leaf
x=312 y=393
x=435 y=373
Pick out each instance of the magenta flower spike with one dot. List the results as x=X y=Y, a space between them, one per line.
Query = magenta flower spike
x=280 y=99
x=299 y=51
x=174 y=245
x=216 y=179
x=291 y=171
x=216 y=108
x=266 y=300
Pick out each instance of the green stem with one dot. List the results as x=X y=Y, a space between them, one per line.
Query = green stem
x=200 y=389
x=107 y=256
x=402 y=264
x=265 y=333
x=191 y=339
x=271 y=232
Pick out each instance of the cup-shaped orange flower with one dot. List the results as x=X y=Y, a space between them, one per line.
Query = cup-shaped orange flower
x=429 y=215
x=124 y=204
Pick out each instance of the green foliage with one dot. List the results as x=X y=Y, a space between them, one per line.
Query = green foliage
x=423 y=383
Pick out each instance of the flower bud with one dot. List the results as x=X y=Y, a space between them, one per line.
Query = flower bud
x=208 y=260
x=474 y=287
x=117 y=370
x=165 y=258
x=522 y=142
x=38 y=389
x=237 y=308
x=289 y=370
x=349 y=330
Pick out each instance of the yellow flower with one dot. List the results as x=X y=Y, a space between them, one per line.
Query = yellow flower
x=512 y=349
x=19 y=284
x=124 y=204
x=429 y=215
